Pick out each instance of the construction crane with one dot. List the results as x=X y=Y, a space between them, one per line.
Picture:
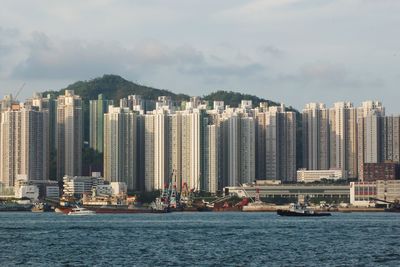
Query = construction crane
x=19 y=91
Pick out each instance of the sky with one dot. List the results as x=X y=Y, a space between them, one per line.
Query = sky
x=291 y=51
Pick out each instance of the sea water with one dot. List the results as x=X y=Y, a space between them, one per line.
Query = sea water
x=199 y=239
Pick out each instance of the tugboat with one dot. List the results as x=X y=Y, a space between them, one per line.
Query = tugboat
x=299 y=210
x=41 y=207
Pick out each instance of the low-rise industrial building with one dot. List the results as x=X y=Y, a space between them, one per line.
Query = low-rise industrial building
x=364 y=194
x=290 y=191
x=308 y=176
x=78 y=185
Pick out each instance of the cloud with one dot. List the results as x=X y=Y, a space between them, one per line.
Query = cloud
x=11 y=50
x=272 y=50
x=60 y=59
x=327 y=76
x=53 y=58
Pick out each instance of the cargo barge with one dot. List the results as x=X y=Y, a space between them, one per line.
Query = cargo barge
x=13 y=206
x=120 y=209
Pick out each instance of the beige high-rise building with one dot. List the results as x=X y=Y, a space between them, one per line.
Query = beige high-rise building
x=315 y=130
x=149 y=155
x=370 y=135
x=23 y=144
x=280 y=133
x=192 y=149
x=174 y=148
x=161 y=174
x=69 y=131
x=120 y=146
x=211 y=165
x=343 y=138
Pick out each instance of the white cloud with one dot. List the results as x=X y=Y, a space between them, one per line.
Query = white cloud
x=294 y=48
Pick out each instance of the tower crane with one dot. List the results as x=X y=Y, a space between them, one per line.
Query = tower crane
x=19 y=91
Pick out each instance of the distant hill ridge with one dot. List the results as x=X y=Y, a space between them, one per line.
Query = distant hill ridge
x=115 y=87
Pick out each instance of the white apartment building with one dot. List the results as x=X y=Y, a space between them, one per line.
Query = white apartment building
x=343 y=138
x=120 y=146
x=69 y=131
x=315 y=130
x=23 y=144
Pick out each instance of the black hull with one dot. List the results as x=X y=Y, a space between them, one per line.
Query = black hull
x=296 y=214
x=392 y=210
x=166 y=210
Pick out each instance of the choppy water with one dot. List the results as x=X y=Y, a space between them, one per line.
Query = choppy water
x=199 y=239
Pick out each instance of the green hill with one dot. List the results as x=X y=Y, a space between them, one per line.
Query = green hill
x=115 y=87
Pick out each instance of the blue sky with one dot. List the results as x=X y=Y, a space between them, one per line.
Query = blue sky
x=293 y=51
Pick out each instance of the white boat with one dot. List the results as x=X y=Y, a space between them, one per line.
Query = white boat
x=78 y=211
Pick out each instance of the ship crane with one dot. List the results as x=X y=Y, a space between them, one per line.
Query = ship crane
x=173 y=197
x=394 y=206
x=186 y=195
x=394 y=203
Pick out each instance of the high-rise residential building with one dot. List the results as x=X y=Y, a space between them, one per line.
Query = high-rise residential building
x=230 y=126
x=370 y=134
x=260 y=121
x=133 y=102
x=120 y=146
x=149 y=155
x=211 y=168
x=164 y=102
x=48 y=104
x=315 y=132
x=174 y=141
x=23 y=144
x=391 y=138
x=161 y=173
x=141 y=148
x=69 y=131
x=194 y=123
x=237 y=147
x=247 y=150
x=371 y=107
x=6 y=102
x=218 y=106
x=280 y=133
x=97 y=109
x=343 y=138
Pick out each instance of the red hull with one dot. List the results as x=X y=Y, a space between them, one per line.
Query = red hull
x=119 y=211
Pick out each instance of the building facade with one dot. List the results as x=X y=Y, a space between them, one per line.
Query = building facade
x=120 y=146
x=97 y=109
x=315 y=130
x=24 y=145
x=69 y=132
